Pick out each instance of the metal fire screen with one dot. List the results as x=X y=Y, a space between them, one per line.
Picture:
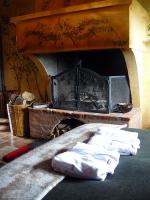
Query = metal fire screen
x=85 y=90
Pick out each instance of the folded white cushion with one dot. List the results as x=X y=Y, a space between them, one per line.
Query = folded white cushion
x=97 y=152
x=84 y=161
x=125 y=142
x=99 y=157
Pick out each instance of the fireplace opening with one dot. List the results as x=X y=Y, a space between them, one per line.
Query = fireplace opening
x=105 y=64
x=65 y=125
x=92 y=81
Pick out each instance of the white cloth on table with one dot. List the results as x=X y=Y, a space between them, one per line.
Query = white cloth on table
x=125 y=142
x=86 y=161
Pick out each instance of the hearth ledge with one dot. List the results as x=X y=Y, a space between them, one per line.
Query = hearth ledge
x=30 y=176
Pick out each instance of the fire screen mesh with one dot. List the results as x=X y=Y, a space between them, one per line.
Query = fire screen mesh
x=85 y=90
x=93 y=89
x=64 y=90
x=119 y=91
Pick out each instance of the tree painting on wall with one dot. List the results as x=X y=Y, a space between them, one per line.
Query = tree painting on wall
x=22 y=68
x=148 y=29
x=60 y=34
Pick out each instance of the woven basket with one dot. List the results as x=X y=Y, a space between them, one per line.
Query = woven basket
x=19 y=120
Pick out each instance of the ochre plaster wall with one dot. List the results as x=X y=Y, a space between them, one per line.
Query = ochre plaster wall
x=146 y=90
x=20 y=73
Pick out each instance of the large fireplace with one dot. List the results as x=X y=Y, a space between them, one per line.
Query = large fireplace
x=86 y=87
x=93 y=61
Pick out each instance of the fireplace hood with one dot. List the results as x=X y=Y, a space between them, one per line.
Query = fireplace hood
x=105 y=24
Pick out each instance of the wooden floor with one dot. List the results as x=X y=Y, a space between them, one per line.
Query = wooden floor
x=9 y=142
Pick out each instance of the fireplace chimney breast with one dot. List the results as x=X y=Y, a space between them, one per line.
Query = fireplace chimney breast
x=108 y=24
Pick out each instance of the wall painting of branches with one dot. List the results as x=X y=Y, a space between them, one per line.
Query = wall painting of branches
x=21 y=74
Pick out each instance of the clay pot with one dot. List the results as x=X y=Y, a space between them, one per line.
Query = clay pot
x=124 y=107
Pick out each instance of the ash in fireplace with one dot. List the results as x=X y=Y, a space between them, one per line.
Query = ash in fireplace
x=66 y=125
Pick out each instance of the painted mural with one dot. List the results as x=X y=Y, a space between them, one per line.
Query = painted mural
x=20 y=73
x=148 y=29
x=87 y=29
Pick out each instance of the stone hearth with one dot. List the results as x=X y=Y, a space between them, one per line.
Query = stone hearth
x=30 y=176
x=43 y=121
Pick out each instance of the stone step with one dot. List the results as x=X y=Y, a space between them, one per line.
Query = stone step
x=4 y=124
x=4 y=121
